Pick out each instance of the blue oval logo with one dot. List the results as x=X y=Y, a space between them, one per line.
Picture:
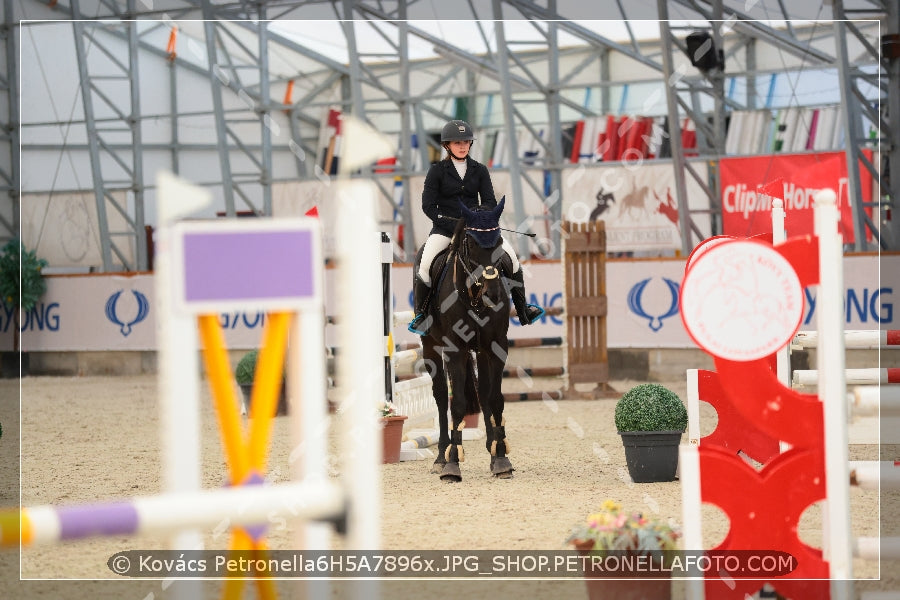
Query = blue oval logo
x=635 y=302
x=125 y=327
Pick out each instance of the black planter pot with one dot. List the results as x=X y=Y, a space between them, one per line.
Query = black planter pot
x=281 y=410
x=652 y=456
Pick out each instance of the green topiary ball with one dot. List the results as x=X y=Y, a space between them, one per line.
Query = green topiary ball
x=650 y=407
x=246 y=367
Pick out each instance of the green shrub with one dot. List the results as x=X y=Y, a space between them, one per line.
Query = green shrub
x=650 y=407
x=21 y=276
x=246 y=367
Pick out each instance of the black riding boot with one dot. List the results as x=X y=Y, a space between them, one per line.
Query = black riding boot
x=528 y=313
x=421 y=294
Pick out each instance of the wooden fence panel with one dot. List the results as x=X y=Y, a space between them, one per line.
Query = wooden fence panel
x=584 y=279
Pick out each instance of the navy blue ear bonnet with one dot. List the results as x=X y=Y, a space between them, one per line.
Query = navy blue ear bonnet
x=484 y=224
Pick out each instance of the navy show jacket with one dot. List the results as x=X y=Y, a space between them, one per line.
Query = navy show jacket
x=444 y=189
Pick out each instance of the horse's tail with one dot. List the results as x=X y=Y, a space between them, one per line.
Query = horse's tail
x=472 y=405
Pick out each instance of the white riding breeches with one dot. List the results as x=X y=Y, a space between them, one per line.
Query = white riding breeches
x=437 y=243
x=512 y=255
x=433 y=246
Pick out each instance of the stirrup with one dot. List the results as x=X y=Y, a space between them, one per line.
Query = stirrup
x=540 y=312
x=413 y=326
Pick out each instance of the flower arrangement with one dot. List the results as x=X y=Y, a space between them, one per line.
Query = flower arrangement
x=386 y=409
x=612 y=528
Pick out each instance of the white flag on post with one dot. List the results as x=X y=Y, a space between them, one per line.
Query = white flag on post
x=362 y=144
x=178 y=198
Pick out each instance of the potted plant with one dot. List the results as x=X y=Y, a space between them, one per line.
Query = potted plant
x=611 y=530
x=244 y=373
x=392 y=432
x=21 y=285
x=651 y=418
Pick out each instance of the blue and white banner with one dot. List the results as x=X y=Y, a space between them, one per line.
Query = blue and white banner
x=115 y=312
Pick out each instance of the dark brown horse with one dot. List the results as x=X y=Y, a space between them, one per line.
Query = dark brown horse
x=466 y=339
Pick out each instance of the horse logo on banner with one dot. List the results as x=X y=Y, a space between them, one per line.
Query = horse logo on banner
x=635 y=303
x=143 y=309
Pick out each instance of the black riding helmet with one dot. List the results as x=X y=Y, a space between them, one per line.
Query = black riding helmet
x=457 y=131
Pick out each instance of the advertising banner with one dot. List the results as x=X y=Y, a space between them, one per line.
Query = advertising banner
x=637 y=201
x=112 y=312
x=746 y=210
x=109 y=312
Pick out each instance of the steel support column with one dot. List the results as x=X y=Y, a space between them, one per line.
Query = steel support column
x=405 y=210
x=173 y=115
x=890 y=182
x=856 y=142
x=678 y=162
x=356 y=94
x=554 y=202
x=264 y=110
x=515 y=171
x=216 y=74
x=9 y=174
x=100 y=145
x=137 y=145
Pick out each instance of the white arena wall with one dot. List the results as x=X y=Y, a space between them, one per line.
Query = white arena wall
x=107 y=323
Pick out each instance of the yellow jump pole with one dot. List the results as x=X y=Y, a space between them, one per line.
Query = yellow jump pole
x=215 y=358
x=266 y=386
x=221 y=384
x=14 y=528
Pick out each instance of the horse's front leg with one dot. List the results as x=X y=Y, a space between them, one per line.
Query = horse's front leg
x=490 y=370
x=459 y=370
x=434 y=363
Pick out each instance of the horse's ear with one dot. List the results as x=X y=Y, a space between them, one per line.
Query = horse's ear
x=500 y=205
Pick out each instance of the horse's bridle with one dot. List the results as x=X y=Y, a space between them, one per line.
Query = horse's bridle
x=477 y=299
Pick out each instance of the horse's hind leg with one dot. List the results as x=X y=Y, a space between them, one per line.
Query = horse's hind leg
x=434 y=363
x=459 y=371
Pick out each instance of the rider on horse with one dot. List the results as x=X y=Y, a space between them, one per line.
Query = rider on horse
x=459 y=178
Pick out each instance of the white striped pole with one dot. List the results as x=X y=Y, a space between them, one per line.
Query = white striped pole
x=872 y=376
x=872 y=475
x=179 y=368
x=402 y=317
x=691 y=501
x=178 y=511
x=693 y=407
x=857 y=339
x=833 y=390
x=873 y=400
x=873 y=548
x=360 y=363
x=308 y=402
x=783 y=356
x=406 y=356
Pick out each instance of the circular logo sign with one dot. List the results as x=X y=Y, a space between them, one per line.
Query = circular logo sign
x=704 y=246
x=741 y=301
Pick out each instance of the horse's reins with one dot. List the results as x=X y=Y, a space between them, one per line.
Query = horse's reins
x=529 y=234
x=488 y=272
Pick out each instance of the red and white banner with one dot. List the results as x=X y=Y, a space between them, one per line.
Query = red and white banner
x=746 y=182
x=637 y=201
